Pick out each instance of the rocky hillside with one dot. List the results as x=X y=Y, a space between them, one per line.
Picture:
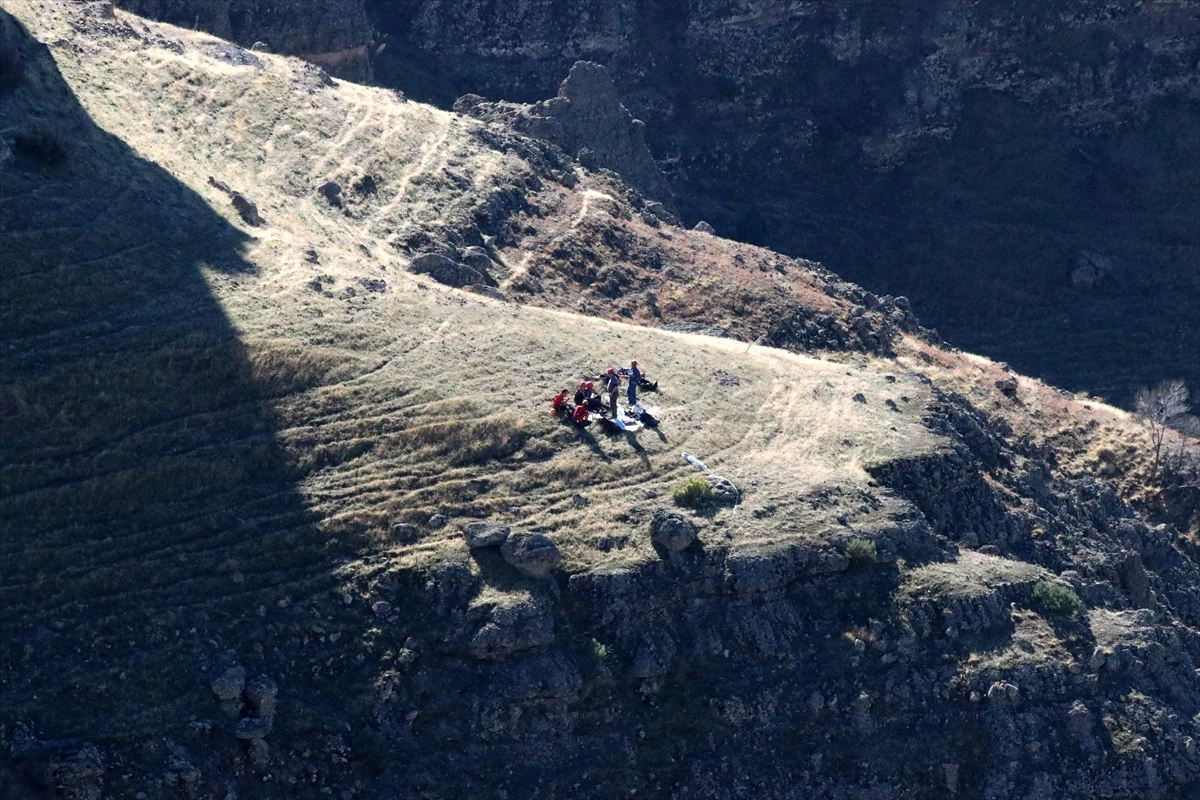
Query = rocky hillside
x=1025 y=172
x=334 y=34
x=284 y=514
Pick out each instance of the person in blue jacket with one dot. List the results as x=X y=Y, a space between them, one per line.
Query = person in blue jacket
x=635 y=377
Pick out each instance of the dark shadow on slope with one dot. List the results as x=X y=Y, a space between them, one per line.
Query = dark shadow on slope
x=1071 y=257
x=146 y=508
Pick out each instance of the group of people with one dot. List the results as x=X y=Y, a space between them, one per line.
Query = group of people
x=588 y=401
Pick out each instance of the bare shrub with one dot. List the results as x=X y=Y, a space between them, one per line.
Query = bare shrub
x=1161 y=408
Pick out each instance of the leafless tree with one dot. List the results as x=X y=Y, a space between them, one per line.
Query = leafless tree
x=1160 y=408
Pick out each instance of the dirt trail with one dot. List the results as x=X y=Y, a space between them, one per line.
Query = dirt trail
x=585 y=205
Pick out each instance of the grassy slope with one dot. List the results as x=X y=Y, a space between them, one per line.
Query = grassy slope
x=195 y=432
x=207 y=436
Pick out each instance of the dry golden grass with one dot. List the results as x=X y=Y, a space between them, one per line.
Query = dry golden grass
x=394 y=405
x=316 y=408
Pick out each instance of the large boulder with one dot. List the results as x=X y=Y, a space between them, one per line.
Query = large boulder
x=261 y=691
x=230 y=683
x=332 y=192
x=672 y=530
x=723 y=488
x=445 y=270
x=534 y=554
x=485 y=534
x=478 y=259
x=246 y=208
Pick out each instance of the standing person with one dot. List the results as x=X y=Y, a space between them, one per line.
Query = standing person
x=613 y=384
x=635 y=378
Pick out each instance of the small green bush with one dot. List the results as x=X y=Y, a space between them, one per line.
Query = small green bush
x=12 y=71
x=42 y=143
x=1055 y=598
x=694 y=493
x=599 y=651
x=862 y=551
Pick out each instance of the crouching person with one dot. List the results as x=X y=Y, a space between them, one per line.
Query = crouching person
x=581 y=417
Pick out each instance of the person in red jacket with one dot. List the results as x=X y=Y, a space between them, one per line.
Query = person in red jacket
x=559 y=403
x=581 y=416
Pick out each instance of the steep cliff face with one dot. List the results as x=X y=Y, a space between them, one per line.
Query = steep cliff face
x=982 y=158
x=333 y=34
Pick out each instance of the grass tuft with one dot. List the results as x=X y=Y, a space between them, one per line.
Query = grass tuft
x=861 y=551
x=693 y=493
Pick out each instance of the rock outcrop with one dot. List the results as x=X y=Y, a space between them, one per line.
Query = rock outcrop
x=333 y=34
x=587 y=120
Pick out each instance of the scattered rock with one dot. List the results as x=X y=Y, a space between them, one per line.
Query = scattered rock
x=436 y=521
x=252 y=728
x=261 y=691
x=579 y=501
x=260 y=753
x=859 y=398
x=704 y=227
x=950 y=772
x=1091 y=269
x=246 y=208
x=312 y=256
x=381 y=608
x=990 y=550
x=479 y=260
x=332 y=192
x=485 y=534
x=1007 y=387
x=726 y=378
x=723 y=488
x=229 y=684
x=365 y=186
x=534 y=554
x=672 y=530
x=445 y=270
x=405 y=533
x=511 y=628
x=232 y=54
x=1079 y=719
